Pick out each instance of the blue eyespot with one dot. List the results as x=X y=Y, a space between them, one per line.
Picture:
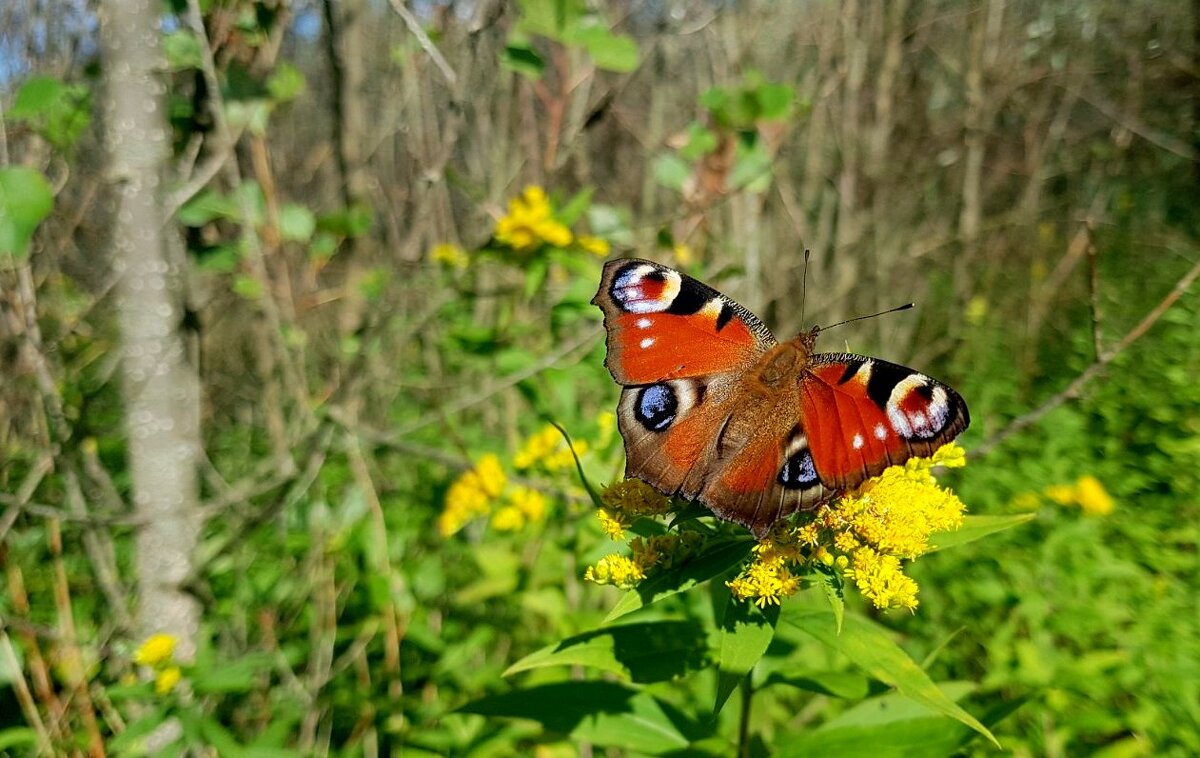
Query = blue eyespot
x=799 y=473
x=656 y=407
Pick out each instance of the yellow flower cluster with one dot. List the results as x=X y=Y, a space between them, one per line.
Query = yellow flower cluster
x=471 y=495
x=524 y=506
x=450 y=254
x=626 y=501
x=594 y=245
x=158 y=652
x=864 y=535
x=530 y=223
x=549 y=449
x=1088 y=493
x=659 y=551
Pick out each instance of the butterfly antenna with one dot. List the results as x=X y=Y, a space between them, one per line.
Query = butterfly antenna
x=904 y=307
x=804 y=285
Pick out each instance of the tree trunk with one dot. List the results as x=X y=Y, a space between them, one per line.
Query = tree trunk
x=161 y=388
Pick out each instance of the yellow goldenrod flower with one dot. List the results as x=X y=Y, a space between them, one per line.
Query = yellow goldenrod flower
x=880 y=579
x=682 y=254
x=1092 y=497
x=508 y=519
x=472 y=494
x=166 y=679
x=1088 y=493
x=593 y=245
x=530 y=502
x=548 y=448
x=156 y=650
x=450 y=254
x=864 y=536
x=530 y=223
x=613 y=522
x=635 y=498
x=617 y=570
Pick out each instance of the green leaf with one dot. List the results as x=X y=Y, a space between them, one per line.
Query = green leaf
x=746 y=632
x=232 y=676
x=58 y=112
x=17 y=736
x=296 y=223
x=576 y=206
x=25 y=199
x=182 y=50
x=131 y=737
x=651 y=651
x=975 y=527
x=602 y=713
x=717 y=558
x=701 y=142
x=247 y=286
x=207 y=206
x=550 y=18
x=522 y=58
x=353 y=221
x=671 y=171
x=286 y=83
x=610 y=52
x=774 y=101
x=885 y=726
x=837 y=602
x=848 y=685
x=870 y=648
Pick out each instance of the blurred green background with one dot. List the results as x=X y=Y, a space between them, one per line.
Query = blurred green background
x=363 y=333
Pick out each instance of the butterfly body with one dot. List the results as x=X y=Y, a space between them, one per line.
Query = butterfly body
x=715 y=409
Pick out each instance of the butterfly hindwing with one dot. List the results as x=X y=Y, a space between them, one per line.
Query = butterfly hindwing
x=863 y=415
x=664 y=325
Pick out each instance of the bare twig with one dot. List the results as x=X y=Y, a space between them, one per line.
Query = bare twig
x=414 y=26
x=1073 y=389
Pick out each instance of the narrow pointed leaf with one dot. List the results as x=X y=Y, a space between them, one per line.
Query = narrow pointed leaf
x=975 y=527
x=602 y=713
x=870 y=648
x=653 y=651
x=746 y=632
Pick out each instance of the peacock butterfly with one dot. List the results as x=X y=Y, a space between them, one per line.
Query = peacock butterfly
x=715 y=409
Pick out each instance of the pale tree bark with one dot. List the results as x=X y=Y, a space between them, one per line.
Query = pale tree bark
x=161 y=388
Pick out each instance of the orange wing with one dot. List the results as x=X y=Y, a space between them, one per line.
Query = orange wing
x=664 y=325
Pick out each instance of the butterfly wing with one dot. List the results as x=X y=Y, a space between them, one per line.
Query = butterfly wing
x=664 y=325
x=739 y=452
x=862 y=415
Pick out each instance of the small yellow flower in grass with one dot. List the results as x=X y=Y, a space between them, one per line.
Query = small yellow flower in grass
x=593 y=245
x=548 y=448
x=166 y=679
x=156 y=650
x=530 y=223
x=682 y=254
x=662 y=551
x=530 y=502
x=1092 y=497
x=1088 y=493
x=450 y=254
x=508 y=519
x=472 y=494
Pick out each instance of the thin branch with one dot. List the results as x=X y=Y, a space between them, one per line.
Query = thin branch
x=427 y=45
x=1074 y=389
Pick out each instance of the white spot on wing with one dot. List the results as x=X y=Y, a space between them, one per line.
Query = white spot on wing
x=644 y=323
x=857 y=442
x=647 y=342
